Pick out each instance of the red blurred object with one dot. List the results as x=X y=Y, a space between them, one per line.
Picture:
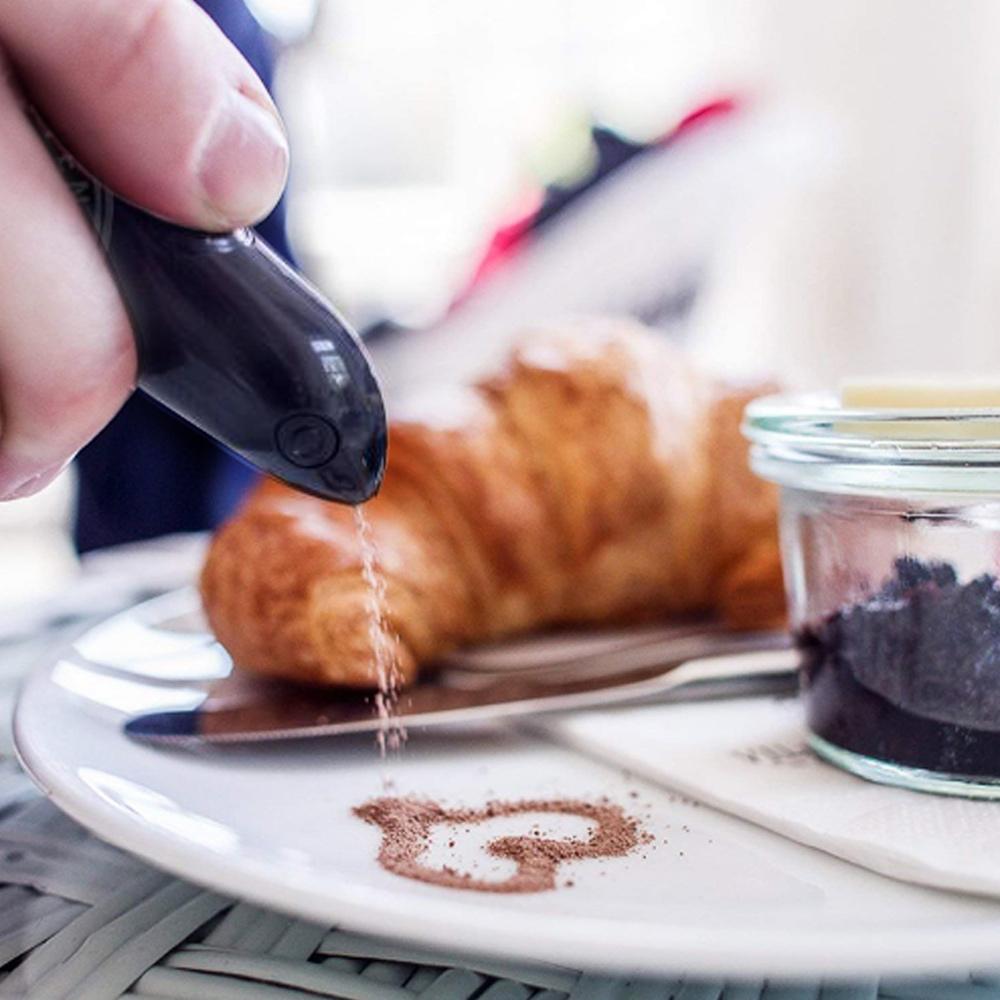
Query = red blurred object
x=504 y=242
x=537 y=207
x=721 y=107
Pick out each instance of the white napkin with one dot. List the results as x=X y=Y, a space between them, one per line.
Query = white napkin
x=749 y=757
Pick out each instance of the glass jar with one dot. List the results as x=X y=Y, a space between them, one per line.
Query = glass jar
x=890 y=534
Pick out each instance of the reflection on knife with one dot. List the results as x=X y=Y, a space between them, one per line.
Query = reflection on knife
x=690 y=665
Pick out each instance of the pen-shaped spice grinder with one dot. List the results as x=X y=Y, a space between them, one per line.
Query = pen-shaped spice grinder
x=236 y=342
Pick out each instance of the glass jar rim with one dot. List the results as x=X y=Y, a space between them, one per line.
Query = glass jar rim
x=810 y=440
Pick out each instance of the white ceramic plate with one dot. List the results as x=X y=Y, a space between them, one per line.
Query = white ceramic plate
x=274 y=824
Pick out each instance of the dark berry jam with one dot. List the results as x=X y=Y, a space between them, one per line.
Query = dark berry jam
x=911 y=674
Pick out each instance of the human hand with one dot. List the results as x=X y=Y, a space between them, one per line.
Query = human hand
x=154 y=100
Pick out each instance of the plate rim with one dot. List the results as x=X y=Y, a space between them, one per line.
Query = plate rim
x=579 y=943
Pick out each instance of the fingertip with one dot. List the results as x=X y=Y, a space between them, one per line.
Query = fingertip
x=242 y=165
x=21 y=479
x=156 y=102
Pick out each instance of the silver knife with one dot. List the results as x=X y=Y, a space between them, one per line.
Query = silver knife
x=691 y=665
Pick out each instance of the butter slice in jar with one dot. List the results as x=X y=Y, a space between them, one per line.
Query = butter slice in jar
x=938 y=396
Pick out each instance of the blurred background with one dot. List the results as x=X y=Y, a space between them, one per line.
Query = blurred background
x=801 y=188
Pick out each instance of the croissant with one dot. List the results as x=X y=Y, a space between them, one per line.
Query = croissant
x=597 y=478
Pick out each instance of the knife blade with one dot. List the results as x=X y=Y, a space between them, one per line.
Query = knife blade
x=246 y=710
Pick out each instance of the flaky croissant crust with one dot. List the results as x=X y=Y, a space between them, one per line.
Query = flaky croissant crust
x=597 y=478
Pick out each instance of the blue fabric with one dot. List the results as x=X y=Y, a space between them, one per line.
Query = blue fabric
x=149 y=473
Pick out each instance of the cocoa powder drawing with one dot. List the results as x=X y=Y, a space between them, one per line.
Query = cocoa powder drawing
x=407 y=824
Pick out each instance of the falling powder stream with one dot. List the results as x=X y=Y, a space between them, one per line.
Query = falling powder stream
x=392 y=733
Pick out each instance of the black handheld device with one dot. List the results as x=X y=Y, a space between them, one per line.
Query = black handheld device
x=240 y=345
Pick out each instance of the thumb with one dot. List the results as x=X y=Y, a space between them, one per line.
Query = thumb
x=153 y=99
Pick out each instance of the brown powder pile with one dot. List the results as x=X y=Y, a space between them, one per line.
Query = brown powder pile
x=406 y=825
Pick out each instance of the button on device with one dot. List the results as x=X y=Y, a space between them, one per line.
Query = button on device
x=307 y=439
